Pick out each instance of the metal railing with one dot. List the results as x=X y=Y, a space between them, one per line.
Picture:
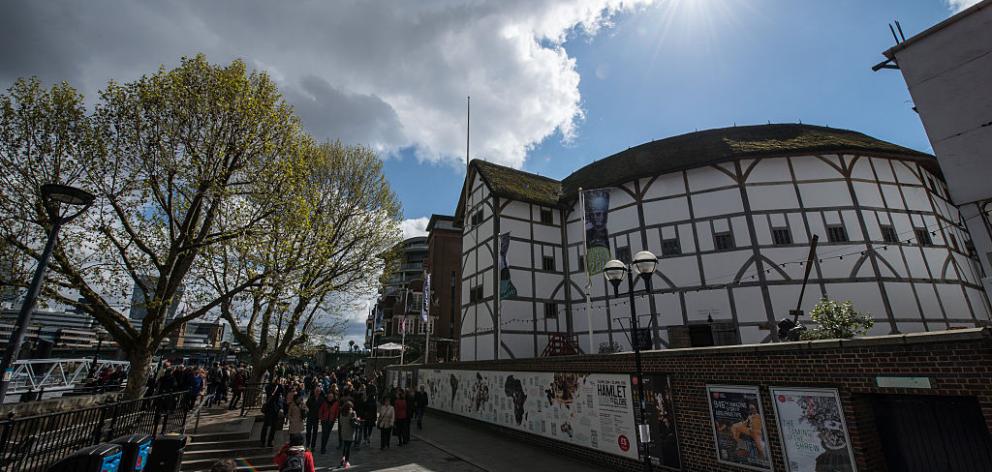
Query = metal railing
x=32 y=443
x=253 y=398
x=52 y=375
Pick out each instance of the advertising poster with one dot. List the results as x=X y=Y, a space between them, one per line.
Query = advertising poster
x=589 y=410
x=814 y=434
x=664 y=447
x=739 y=426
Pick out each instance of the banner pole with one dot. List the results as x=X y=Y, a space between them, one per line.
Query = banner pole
x=499 y=312
x=585 y=251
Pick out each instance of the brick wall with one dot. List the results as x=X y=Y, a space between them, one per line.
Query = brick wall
x=957 y=363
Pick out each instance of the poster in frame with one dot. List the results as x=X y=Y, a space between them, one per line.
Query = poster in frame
x=812 y=429
x=660 y=418
x=737 y=420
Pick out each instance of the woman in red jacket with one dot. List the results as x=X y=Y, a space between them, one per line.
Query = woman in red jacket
x=295 y=456
x=328 y=413
x=402 y=416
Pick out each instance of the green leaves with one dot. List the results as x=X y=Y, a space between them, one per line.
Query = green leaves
x=837 y=320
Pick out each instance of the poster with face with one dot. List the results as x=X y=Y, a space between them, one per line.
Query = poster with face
x=506 y=288
x=597 y=208
x=589 y=410
x=738 y=426
x=660 y=413
x=814 y=434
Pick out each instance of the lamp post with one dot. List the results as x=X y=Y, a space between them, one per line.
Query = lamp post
x=615 y=271
x=53 y=196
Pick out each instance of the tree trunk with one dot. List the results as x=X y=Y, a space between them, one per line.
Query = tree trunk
x=137 y=376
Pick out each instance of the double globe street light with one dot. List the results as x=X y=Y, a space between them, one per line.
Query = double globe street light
x=615 y=271
x=54 y=196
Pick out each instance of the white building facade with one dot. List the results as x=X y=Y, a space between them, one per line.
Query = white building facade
x=730 y=213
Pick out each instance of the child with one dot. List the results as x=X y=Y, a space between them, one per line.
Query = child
x=347 y=420
x=294 y=456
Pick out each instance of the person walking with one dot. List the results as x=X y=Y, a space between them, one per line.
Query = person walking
x=385 y=422
x=420 y=406
x=402 y=416
x=347 y=425
x=273 y=411
x=238 y=385
x=328 y=413
x=314 y=400
x=371 y=411
x=297 y=412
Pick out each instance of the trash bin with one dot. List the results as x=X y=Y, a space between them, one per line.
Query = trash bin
x=135 y=449
x=167 y=453
x=104 y=457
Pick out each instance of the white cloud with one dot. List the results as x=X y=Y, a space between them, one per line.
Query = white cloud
x=389 y=74
x=414 y=227
x=958 y=5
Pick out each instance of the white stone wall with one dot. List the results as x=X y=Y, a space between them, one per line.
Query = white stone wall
x=906 y=287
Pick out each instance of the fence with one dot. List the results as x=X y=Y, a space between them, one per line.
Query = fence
x=32 y=443
x=253 y=397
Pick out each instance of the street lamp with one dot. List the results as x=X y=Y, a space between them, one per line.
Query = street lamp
x=615 y=271
x=53 y=196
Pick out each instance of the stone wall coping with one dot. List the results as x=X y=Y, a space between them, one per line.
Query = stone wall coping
x=932 y=337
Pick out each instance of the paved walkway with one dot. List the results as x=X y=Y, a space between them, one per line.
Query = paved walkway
x=492 y=451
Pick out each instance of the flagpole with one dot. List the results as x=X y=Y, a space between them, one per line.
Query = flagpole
x=402 y=338
x=585 y=250
x=499 y=312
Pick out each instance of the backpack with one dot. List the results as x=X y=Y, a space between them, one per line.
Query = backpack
x=294 y=463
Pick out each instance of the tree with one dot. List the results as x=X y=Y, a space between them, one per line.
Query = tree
x=181 y=161
x=318 y=256
x=837 y=320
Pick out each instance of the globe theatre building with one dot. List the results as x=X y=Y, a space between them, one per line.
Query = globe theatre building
x=730 y=213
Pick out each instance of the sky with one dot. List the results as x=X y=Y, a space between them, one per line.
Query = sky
x=555 y=84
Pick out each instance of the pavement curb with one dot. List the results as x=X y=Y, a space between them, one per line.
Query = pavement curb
x=452 y=453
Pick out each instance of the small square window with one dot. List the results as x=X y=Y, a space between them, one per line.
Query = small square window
x=670 y=247
x=723 y=241
x=781 y=236
x=922 y=237
x=837 y=234
x=475 y=294
x=548 y=263
x=889 y=234
x=954 y=242
x=550 y=310
x=623 y=254
x=547 y=217
x=969 y=247
x=477 y=218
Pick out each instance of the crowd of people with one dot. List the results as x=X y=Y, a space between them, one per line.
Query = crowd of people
x=212 y=385
x=311 y=405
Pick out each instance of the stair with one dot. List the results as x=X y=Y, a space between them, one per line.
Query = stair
x=205 y=448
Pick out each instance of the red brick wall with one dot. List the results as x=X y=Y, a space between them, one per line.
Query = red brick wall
x=958 y=363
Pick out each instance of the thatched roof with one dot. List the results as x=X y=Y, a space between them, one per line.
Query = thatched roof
x=688 y=151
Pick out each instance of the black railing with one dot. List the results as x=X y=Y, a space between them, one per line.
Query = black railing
x=32 y=443
x=253 y=398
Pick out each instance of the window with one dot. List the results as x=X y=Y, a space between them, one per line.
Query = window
x=548 y=263
x=550 y=310
x=582 y=262
x=723 y=241
x=954 y=242
x=623 y=254
x=670 y=247
x=477 y=218
x=416 y=302
x=969 y=247
x=781 y=236
x=475 y=294
x=836 y=234
x=889 y=234
x=922 y=237
x=642 y=338
x=546 y=217
x=700 y=335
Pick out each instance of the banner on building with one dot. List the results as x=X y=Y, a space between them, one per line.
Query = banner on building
x=814 y=434
x=738 y=423
x=589 y=410
x=377 y=321
x=595 y=213
x=506 y=288
x=425 y=311
x=660 y=418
